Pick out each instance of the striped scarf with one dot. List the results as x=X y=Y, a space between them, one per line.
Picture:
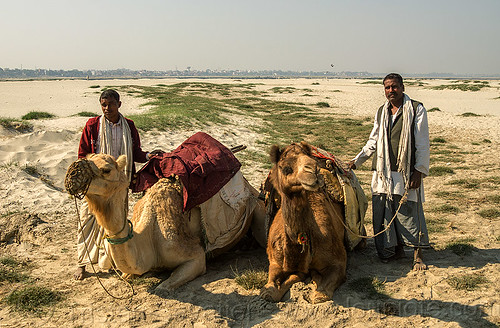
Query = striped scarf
x=106 y=142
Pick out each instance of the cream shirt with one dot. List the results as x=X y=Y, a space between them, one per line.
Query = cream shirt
x=422 y=155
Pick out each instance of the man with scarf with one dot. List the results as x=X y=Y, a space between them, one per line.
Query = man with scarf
x=400 y=142
x=112 y=134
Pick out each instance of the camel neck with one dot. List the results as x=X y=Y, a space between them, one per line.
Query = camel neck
x=111 y=213
x=297 y=214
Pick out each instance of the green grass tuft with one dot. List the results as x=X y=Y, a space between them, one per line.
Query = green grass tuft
x=86 y=114
x=37 y=116
x=94 y=86
x=322 y=104
x=12 y=276
x=438 y=140
x=434 y=109
x=32 y=299
x=460 y=247
x=440 y=171
x=490 y=213
x=251 y=279
x=469 y=114
x=12 y=124
x=370 y=286
x=446 y=208
x=466 y=183
x=467 y=281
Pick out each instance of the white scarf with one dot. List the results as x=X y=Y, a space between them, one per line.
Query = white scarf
x=105 y=142
x=404 y=150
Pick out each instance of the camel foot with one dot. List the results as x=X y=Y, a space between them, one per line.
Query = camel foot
x=270 y=294
x=128 y=276
x=80 y=273
x=318 y=297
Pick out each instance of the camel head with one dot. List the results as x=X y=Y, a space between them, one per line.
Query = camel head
x=295 y=170
x=97 y=175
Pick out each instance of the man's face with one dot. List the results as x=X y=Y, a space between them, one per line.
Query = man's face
x=110 y=109
x=393 y=90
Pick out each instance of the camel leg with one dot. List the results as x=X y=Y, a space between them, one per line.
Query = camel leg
x=274 y=292
x=184 y=273
x=327 y=281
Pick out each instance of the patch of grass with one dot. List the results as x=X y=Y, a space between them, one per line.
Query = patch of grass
x=460 y=247
x=251 y=279
x=12 y=124
x=283 y=89
x=452 y=195
x=466 y=183
x=465 y=86
x=370 y=286
x=486 y=141
x=495 y=199
x=32 y=299
x=440 y=171
x=322 y=104
x=436 y=225
x=467 y=281
x=446 y=208
x=94 y=86
x=86 y=114
x=371 y=82
x=315 y=83
x=9 y=261
x=489 y=213
x=438 y=140
x=149 y=282
x=12 y=276
x=469 y=114
x=433 y=109
x=37 y=115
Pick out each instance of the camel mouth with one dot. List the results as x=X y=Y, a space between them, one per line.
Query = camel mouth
x=315 y=185
x=78 y=178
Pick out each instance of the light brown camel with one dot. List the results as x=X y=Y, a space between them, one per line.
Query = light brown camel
x=306 y=236
x=163 y=236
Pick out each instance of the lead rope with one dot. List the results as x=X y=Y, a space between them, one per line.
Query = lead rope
x=112 y=264
x=401 y=202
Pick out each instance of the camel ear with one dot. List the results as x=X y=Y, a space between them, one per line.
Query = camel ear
x=306 y=147
x=275 y=154
x=121 y=162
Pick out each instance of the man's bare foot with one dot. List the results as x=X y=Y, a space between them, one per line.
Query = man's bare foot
x=80 y=273
x=418 y=261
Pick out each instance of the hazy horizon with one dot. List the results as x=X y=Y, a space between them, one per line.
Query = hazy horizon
x=456 y=37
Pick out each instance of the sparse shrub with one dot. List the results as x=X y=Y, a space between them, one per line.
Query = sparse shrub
x=11 y=276
x=467 y=281
x=486 y=141
x=32 y=299
x=440 y=171
x=434 y=109
x=37 y=116
x=322 y=104
x=315 y=83
x=94 y=86
x=490 y=213
x=466 y=183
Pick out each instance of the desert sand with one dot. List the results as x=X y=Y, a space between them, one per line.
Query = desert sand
x=423 y=299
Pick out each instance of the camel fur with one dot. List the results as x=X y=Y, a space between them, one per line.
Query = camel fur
x=164 y=238
x=307 y=235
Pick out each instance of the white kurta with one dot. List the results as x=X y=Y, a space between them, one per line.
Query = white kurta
x=422 y=153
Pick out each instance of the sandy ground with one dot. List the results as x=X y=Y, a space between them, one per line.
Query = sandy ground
x=214 y=300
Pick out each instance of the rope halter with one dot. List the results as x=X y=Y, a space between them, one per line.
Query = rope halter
x=78 y=178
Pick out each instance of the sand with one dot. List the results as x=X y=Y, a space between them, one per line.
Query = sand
x=215 y=300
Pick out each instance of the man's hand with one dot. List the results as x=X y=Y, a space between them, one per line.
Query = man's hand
x=156 y=152
x=351 y=165
x=415 y=180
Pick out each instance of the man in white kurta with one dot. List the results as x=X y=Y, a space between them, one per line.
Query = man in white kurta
x=400 y=142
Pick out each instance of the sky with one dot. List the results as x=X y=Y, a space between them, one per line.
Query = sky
x=438 y=36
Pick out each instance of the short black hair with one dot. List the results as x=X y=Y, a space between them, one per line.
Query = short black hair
x=394 y=76
x=110 y=93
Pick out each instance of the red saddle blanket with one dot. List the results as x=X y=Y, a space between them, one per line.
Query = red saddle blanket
x=203 y=164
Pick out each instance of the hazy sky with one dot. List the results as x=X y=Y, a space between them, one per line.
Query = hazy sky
x=445 y=36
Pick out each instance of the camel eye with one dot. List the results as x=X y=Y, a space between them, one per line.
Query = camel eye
x=287 y=170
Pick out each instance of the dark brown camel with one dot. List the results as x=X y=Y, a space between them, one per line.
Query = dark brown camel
x=306 y=236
